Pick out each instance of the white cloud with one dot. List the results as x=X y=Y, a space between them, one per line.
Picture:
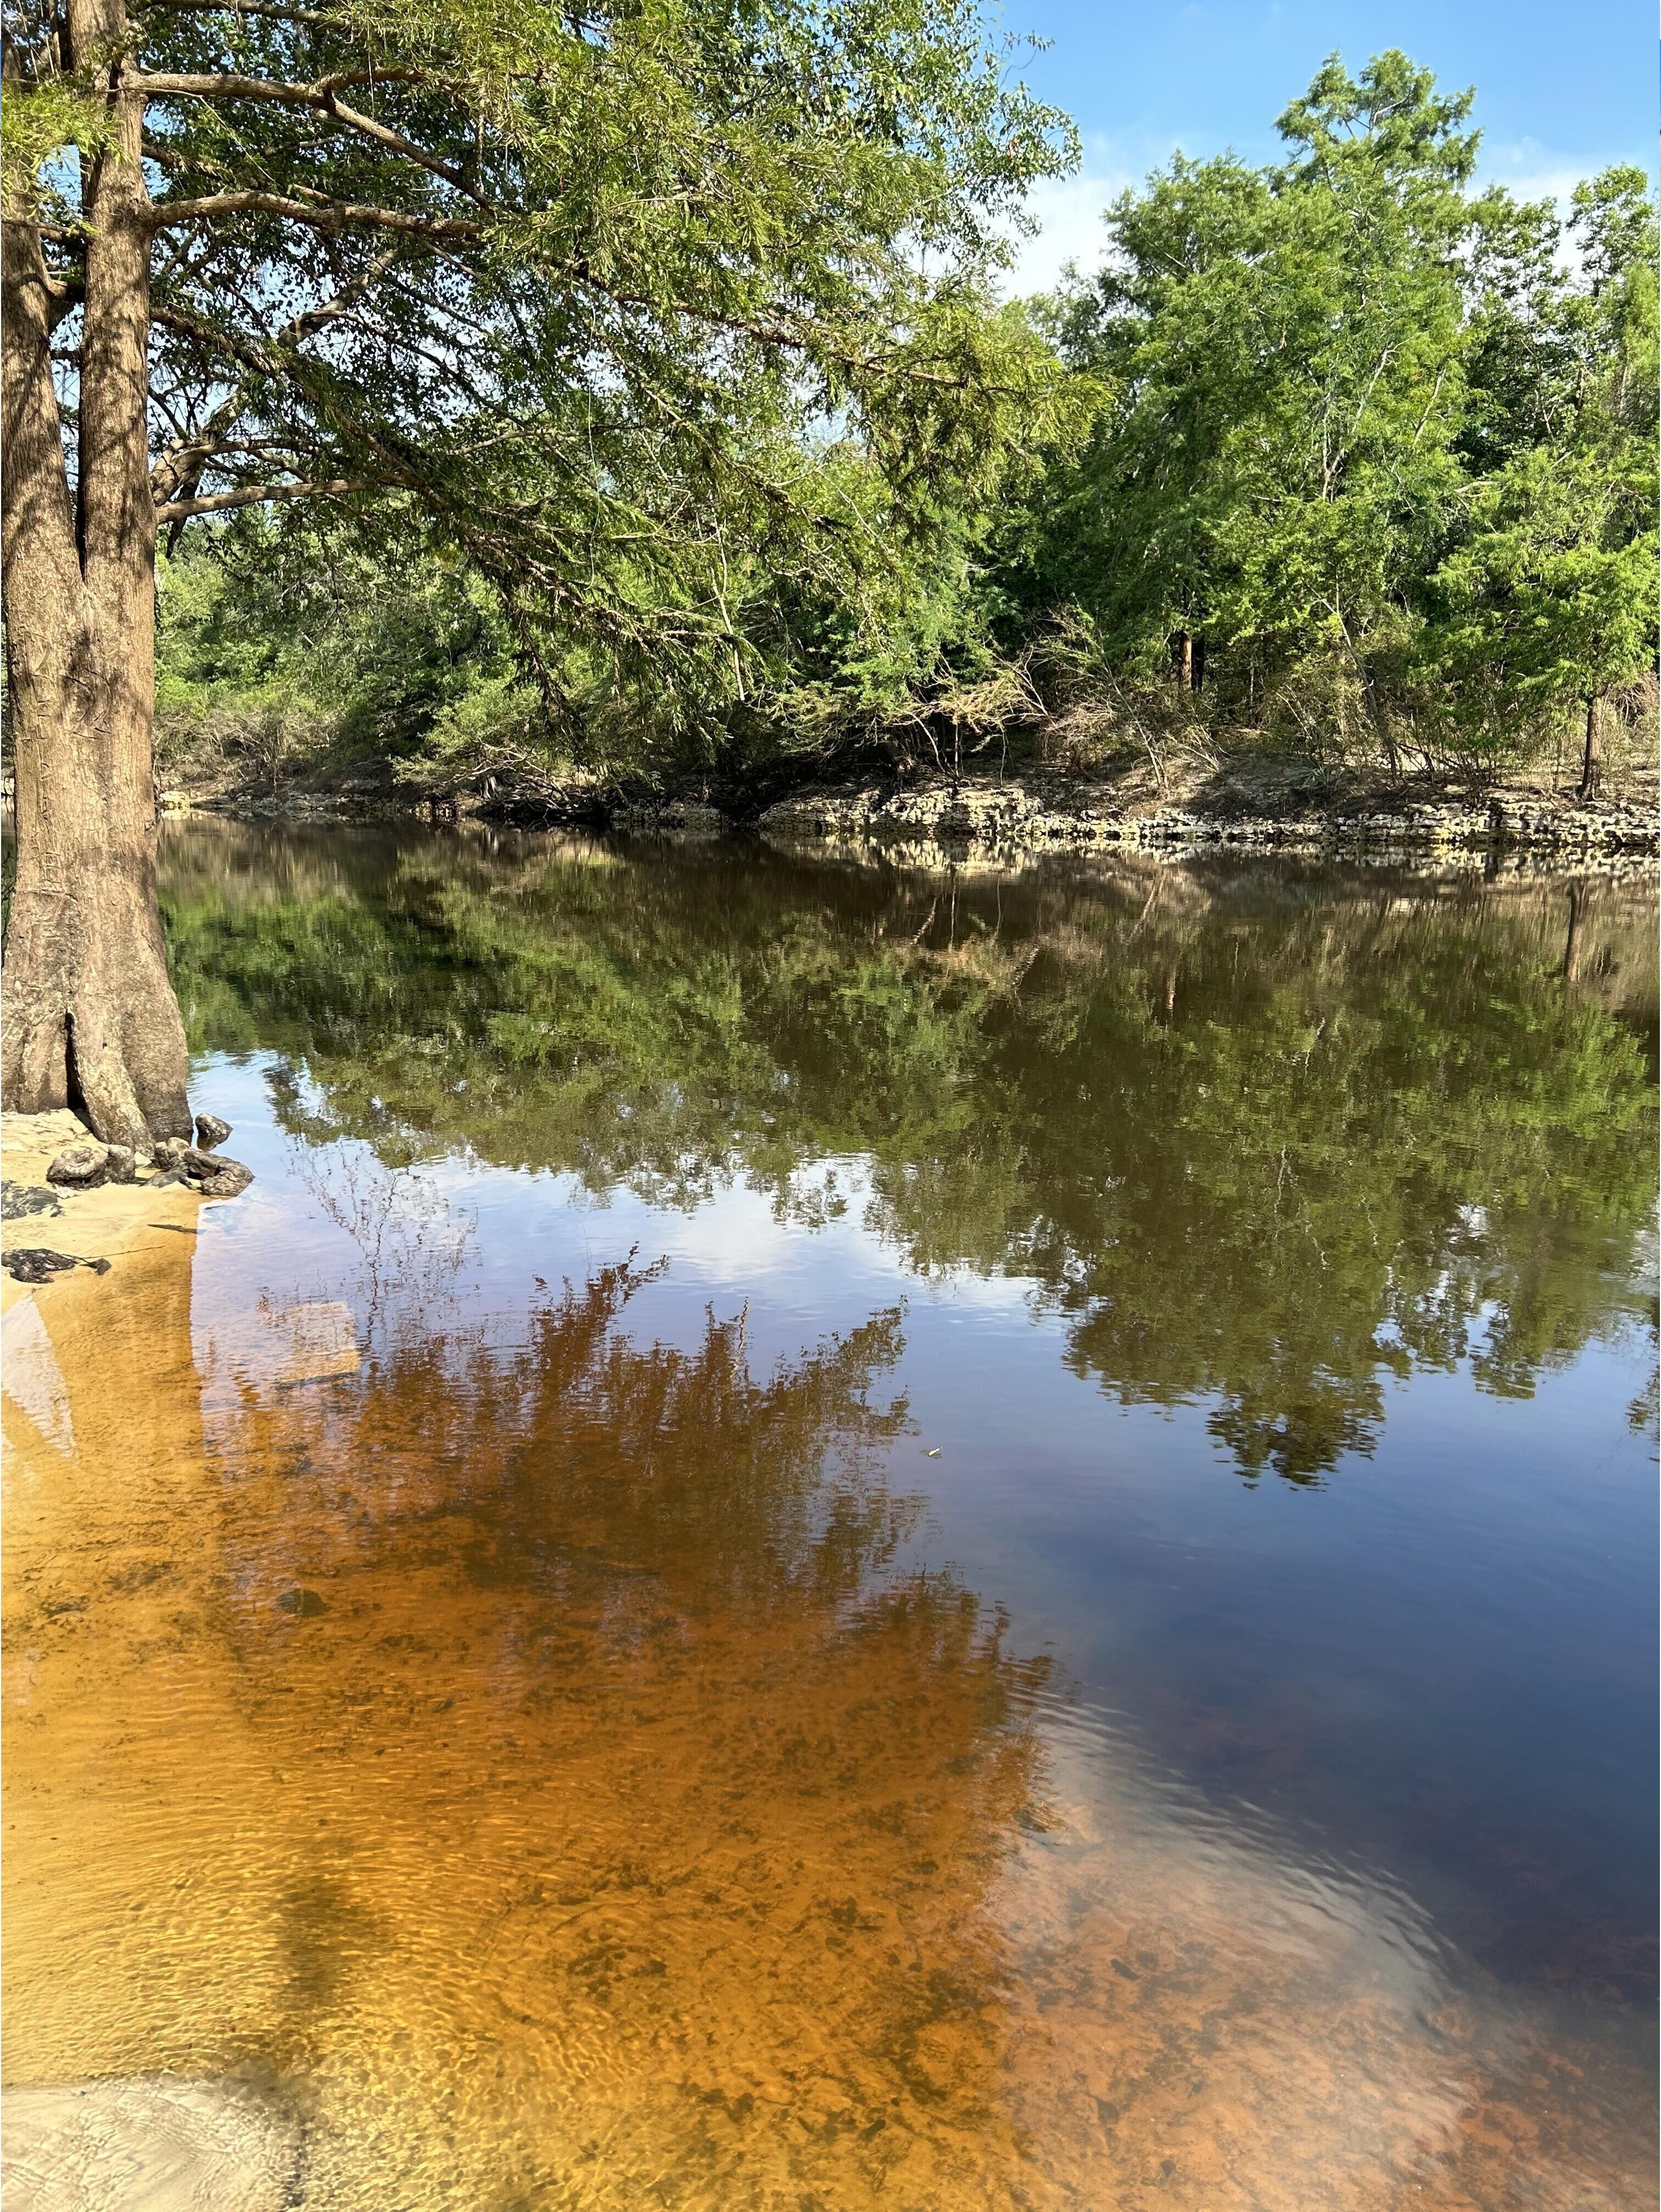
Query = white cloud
x=1069 y=212
x=1530 y=171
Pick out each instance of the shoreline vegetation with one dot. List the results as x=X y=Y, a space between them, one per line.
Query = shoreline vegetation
x=1337 y=524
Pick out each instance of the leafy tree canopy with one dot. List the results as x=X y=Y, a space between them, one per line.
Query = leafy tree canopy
x=628 y=306
x=1547 y=590
x=1352 y=395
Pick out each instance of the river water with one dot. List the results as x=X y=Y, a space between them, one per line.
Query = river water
x=829 y=1537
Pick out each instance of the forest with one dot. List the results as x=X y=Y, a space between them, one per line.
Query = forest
x=1348 y=455
x=470 y=394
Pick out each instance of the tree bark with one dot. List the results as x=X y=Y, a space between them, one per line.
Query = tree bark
x=1376 y=708
x=1590 y=770
x=1185 y=661
x=88 y=1014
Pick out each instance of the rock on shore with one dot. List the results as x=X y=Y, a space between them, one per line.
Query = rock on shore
x=1008 y=821
x=105 y=1209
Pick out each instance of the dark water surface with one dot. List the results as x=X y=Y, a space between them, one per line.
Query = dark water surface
x=827 y=1537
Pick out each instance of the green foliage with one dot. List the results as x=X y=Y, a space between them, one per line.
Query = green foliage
x=1547 y=595
x=659 y=352
x=416 y=663
x=1284 y=347
x=352 y=657
x=661 y=319
x=1379 y=444
x=1366 y=440
x=1265 y=1150
x=36 y=136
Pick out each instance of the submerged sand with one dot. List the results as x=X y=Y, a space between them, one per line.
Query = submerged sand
x=120 y=2142
x=500 y=1782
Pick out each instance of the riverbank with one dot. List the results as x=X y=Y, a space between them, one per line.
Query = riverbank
x=111 y=1229
x=109 y=1221
x=1019 y=822
x=1246 y=800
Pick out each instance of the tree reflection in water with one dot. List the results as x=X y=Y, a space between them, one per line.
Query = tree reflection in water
x=603 y=1790
x=1265 y=1139
x=534 y=1754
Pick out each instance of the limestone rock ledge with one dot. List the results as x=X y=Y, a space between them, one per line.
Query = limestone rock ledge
x=1006 y=821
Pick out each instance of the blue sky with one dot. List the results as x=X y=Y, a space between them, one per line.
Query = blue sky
x=1562 y=90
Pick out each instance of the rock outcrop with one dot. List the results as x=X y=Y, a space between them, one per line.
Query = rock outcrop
x=1008 y=821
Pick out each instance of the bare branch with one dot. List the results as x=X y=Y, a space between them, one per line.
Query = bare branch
x=219 y=502
x=267 y=8
x=329 y=215
x=218 y=341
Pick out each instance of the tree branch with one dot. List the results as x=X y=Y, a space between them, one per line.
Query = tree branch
x=398 y=470
x=331 y=215
x=178 y=471
x=218 y=341
x=263 y=8
x=218 y=502
x=319 y=96
x=63 y=296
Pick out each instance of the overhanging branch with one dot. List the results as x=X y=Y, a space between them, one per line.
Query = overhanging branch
x=327 y=215
x=220 y=503
x=180 y=470
x=266 y=9
x=321 y=97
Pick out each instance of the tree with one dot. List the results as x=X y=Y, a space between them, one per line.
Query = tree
x=1319 y=373
x=1284 y=345
x=569 y=294
x=1546 y=599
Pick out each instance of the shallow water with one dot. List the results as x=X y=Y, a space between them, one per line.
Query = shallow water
x=826 y=1538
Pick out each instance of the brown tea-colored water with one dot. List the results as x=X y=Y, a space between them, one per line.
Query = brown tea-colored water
x=826 y=1539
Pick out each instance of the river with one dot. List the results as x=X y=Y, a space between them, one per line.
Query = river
x=829 y=1537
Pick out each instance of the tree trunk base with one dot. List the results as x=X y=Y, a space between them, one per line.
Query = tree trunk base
x=87 y=1015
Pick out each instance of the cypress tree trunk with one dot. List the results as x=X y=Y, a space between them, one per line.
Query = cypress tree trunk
x=89 y=1016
